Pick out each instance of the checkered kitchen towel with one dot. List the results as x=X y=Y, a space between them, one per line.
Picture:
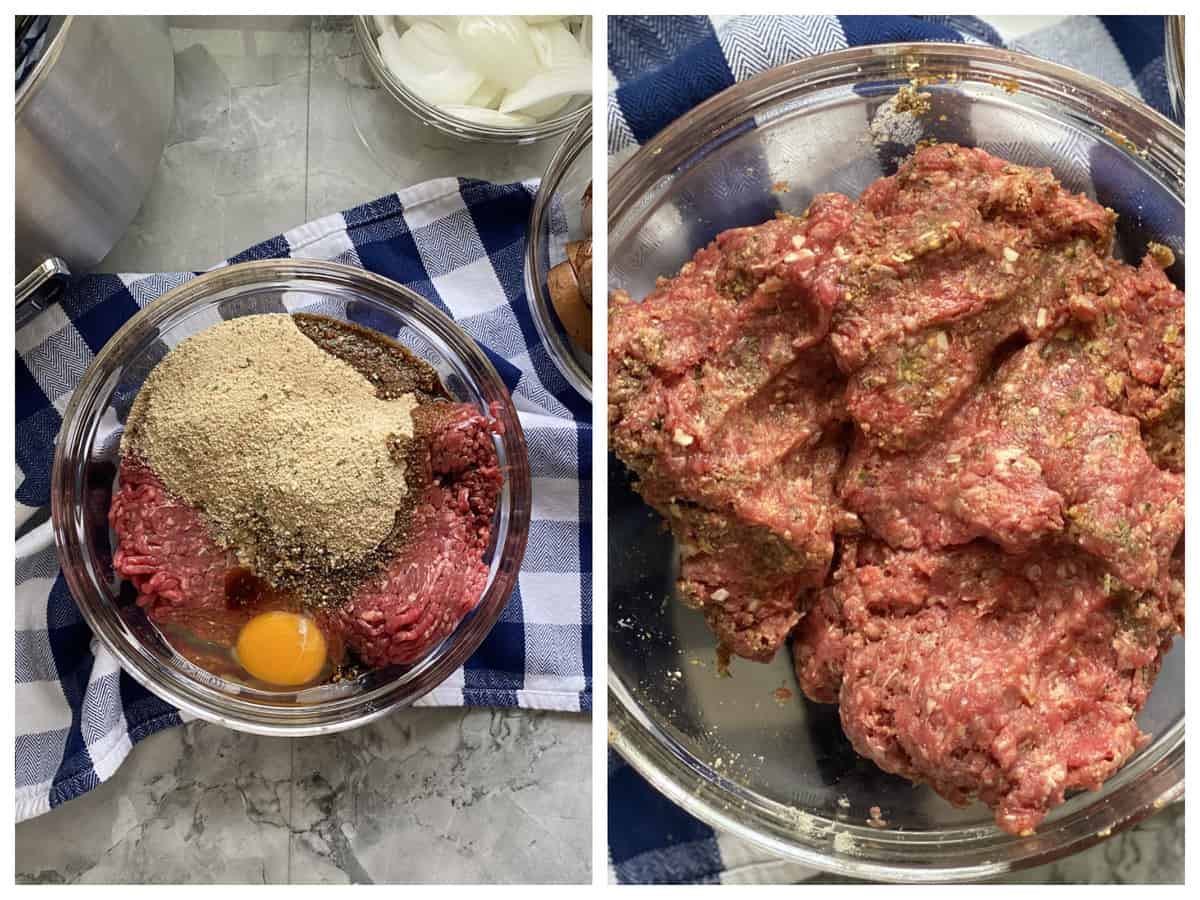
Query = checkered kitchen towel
x=461 y=245
x=662 y=66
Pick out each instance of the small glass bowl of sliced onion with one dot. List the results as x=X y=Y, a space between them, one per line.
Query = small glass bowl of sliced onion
x=508 y=79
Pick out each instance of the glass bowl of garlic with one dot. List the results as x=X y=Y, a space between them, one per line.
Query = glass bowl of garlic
x=506 y=79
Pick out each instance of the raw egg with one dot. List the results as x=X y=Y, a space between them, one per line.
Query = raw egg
x=284 y=648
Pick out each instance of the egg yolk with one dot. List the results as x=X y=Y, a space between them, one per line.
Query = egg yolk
x=284 y=648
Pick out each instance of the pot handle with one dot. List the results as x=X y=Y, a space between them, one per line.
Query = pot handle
x=38 y=289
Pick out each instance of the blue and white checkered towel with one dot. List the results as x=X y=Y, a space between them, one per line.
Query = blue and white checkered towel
x=662 y=66
x=460 y=244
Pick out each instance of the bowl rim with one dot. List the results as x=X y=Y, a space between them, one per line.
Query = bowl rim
x=651 y=751
x=431 y=115
x=1044 y=80
x=200 y=699
x=556 y=344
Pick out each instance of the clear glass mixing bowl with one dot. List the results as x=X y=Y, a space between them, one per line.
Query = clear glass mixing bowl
x=366 y=31
x=780 y=773
x=85 y=467
x=556 y=218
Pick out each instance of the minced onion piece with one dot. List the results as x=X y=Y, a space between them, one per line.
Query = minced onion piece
x=500 y=71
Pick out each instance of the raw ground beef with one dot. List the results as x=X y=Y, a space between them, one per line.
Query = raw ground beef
x=936 y=437
x=164 y=549
x=985 y=674
x=439 y=574
x=943 y=263
x=720 y=400
x=184 y=579
x=1037 y=453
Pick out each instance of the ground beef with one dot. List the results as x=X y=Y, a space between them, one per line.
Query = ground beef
x=953 y=383
x=183 y=579
x=721 y=401
x=439 y=574
x=943 y=263
x=983 y=674
x=745 y=566
x=1037 y=452
x=164 y=547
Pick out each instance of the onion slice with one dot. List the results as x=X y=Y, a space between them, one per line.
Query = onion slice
x=437 y=79
x=491 y=117
x=551 y=84
x=499 y=47
x=556 y=45
x=487 y=97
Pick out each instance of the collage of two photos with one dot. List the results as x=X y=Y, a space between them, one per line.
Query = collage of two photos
x=317 y=566
x=896 y=492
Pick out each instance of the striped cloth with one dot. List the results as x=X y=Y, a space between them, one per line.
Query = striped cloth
x=460 y=244
x=31 y=45
x=662 y=66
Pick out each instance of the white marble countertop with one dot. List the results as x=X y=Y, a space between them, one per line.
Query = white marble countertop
x=277 y=122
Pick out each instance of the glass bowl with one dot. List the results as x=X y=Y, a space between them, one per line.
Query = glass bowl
x=781 y=774
x=365 y=30
x=85 y=466
x=558 y=217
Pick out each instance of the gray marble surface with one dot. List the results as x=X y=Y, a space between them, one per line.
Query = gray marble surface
x=276 y=123
x=425 y=795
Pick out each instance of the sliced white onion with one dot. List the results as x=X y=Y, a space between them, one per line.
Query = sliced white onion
x=499 y=47
x=551 y=84
x=430 y=49
x=488 y=116
x=555 y=45
x=421 y=72
x=488 y=96
x=500 y=71
x=547 y=108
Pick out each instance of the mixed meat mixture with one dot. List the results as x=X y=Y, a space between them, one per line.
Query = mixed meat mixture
x=934 y=437
x=302 y=464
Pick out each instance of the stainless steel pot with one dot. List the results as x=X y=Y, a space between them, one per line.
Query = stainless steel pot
x=91 y=123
